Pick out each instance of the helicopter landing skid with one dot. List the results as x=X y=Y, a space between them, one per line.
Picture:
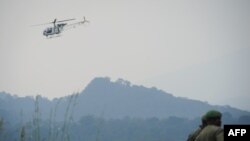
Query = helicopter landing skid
x=53 y=36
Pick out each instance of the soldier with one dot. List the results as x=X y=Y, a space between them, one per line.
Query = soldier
x=193 y=135
x=213 y=131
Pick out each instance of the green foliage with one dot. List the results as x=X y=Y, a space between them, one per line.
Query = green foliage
x=22 y=134
x=36 y=120
x=90 y=128
x=1 y=124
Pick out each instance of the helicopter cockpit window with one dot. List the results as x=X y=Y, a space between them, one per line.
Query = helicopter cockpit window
x=49 y=30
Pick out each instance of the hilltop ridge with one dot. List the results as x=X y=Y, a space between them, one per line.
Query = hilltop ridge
x=113 y=99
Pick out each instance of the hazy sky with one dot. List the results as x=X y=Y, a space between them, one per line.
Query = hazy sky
x=198 y=49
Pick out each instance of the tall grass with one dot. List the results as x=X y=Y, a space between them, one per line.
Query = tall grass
x=54 y=131
x=36 y=121
x=1 y=124
x=22 y=134
x=68 y=117
x=50 y=126
x=1 y=129
x=34 y=129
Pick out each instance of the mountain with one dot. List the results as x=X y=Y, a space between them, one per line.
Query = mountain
x=118 y=99
x=105 y=98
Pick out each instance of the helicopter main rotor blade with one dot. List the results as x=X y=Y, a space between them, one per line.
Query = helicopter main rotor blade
x=53 y=22
x=65 y=20
x=42 y=24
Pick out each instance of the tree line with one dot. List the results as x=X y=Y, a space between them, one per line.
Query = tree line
x=91 y=128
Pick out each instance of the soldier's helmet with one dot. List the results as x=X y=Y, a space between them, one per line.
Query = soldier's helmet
x=212 y=114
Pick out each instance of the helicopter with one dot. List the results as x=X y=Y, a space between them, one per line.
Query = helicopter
x=59 y=26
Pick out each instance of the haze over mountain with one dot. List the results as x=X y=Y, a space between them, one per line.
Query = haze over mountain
x=108 y=99
x=224 y=80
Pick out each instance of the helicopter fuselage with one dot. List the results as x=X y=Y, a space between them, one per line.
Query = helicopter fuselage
x=56 y=29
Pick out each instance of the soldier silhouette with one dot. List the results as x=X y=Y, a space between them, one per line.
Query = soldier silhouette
x=213 y=130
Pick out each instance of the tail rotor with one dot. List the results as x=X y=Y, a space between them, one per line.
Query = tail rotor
x=84 y=20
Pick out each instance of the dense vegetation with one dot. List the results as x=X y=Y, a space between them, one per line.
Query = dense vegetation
x=106 y=111
x=90 y=128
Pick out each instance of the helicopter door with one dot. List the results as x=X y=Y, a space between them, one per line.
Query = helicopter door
x=56 y=30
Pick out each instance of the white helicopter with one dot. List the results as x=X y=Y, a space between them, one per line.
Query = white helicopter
x=58 y=26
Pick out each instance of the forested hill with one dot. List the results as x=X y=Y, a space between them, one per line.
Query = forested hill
x=108 y=99
x=120 y=98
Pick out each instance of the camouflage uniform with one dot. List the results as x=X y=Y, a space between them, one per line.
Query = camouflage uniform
x=211 y=133
x=193 y=135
